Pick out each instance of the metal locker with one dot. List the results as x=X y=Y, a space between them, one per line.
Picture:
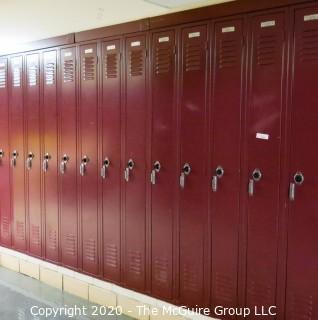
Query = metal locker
x=5 y=204
x=302 y=258
x=68 y=166
x=49 y=157
x=110 y=162
x=193 y=187
x=88 y=162
x=225 y=149
x=162 y=176
x=17 y=152
x=265 y=125
x=134 y=163
x=33 y=153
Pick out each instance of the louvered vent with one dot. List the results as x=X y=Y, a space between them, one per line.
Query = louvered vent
x=309 y=45
x=68 y=70
x=136 y=65
x=301 y=307
x=50 y=73
x=111 y=255
x=224 y=289
x=32 y=75
x=163 y=59
x=190 y=278
x=70 y=244
x=227 y=55
x=16 y=76
x=3 y=76
x=134 y=260
x=111 y=65
x=267 y=48
x=193 y=57
x=88 y=71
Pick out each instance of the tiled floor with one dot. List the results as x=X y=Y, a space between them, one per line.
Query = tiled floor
x=19 y=295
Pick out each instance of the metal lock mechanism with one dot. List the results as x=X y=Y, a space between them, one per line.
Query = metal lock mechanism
x=103 y=171
x=186 y=170
x=29 y=160
x=64 y=161
x=1 y=155
x=219 y=173
x=156 y=169
x=256 y=177
x=83 y=165
x=129 y=167
x=45 y=165
x=14 y=157
x=298 y=181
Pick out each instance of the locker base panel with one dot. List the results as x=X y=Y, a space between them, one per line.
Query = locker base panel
x=92 y=289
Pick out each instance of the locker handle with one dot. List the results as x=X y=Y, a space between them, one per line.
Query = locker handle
x=1 y=155
x=45 y=166
x=219 y=172
x=298 y=181
x=156 y=169
x=14 y=158
x=186 y=170
x=29 y=160
x=129 y=167
x=256 y=177
x=63 y=163
x=104 y=168
x=83 y=165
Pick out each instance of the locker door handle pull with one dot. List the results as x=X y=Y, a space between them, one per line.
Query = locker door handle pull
x=1 y=155
x=104 y=168
x=63 y=163
x=298 y=181
x=14 y=158
x=155 y=170
x=251 y=188
x=29 y=160
x=129 y=167
x=256 y=176
x=292 y=191
x=45 y=166
x=219 y=172
x=186 y=169
x=83 y=165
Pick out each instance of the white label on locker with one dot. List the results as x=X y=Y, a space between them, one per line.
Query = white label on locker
x=163 y=39
x=90 y=50
x=135 y=44
x=311 y=17
x=67 y=54
x=194 y=35
x=262 y=136
x=111 y=47
x=266 y=24
x=228 y=29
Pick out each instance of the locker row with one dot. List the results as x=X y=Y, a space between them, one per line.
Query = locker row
x=178 y=162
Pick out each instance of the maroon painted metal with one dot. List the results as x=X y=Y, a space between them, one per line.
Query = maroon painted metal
x=265 y=106
x=192 y=167
x=134 y=163
x=88 y=166
x=68 y=166
x=225 y=141
x=33 y=152
x=163 y=175
x=5 y=204
x=110 y=163
x=302 y=281
x=49 y=156
x=17 y=152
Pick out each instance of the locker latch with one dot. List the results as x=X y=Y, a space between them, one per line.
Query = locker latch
x=256 y=176
x=186 y=169
x=130 y=165
x=1 y=155
x=103 y=171
x=298 y=181
x=65 y=160
x=14 y=158
x=154 y=171
x=219 y=172
x=29 y=160
x=83 y=165
x=46 y=159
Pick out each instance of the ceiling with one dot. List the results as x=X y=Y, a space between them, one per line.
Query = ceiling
x=28 y=20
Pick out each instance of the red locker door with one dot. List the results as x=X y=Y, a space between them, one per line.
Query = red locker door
x=67 y=158
x=17 y=152
x=5 y=202
x=163 y=162
x=49 y=155
x=225 y=141
x=134 y=163
x=265 y=108
x=193 y=172
x=111 y=173
x=88 y=163
x=302 y=280
x=33 y=153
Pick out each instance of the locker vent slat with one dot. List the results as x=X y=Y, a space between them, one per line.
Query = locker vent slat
x=20 y=230
x=32 y=75
x=52 y=243
x=267 y=49
x=50 y=73
x=89 y=68
x=16 y=79
x=70 y=244
x=111 y=65
x=161 y=271
x=163 y=59
x=190 y=279
x=136 y=64
x=90 y=250
x=68 y=70
x=134 y=262
x=301 y=307
x=309 y=45
x=224 y=289
x=259 y=293
x=111 y=256
x=3 y=77
x=193 y=57
x=5 y=226
x=228 y=53
x=35 y=235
